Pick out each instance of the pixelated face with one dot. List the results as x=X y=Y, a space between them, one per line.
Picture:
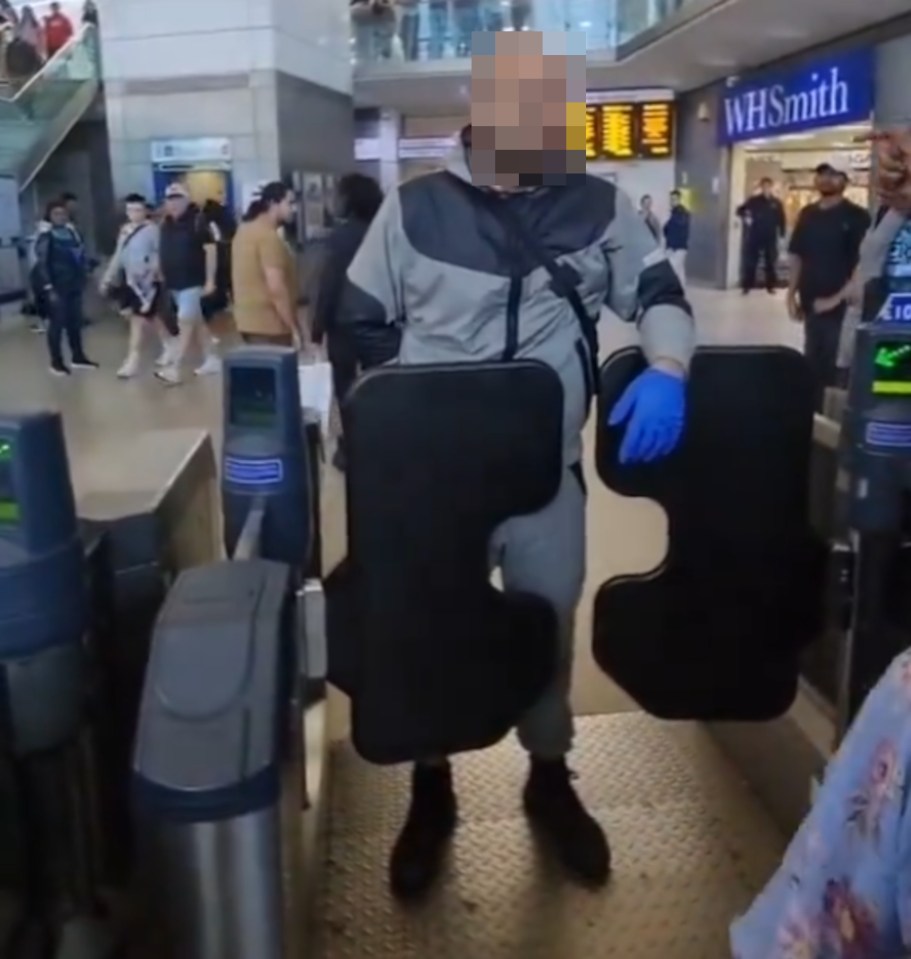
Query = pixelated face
x=527 y=109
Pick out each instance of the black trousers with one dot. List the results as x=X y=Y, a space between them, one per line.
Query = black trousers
x=822 y=332
x=756 y=250
x=343 y=362
x=65 y=316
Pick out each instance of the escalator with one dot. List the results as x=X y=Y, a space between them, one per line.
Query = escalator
x=35 y=118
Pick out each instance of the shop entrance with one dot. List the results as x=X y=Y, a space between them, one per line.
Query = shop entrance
x=789 y=161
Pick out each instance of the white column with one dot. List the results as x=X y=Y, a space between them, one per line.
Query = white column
x=388 y=136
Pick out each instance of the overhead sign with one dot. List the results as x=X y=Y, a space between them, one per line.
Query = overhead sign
x=823 y=93
x=192 y=150
x=630 y=131
x=656 y=130
x=425 y=148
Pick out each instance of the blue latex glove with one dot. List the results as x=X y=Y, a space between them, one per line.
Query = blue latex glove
x=654 y=404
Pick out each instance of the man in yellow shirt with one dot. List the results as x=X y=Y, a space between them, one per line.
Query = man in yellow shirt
x=263 y=272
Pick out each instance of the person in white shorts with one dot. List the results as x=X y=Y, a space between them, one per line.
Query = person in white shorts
x=188 y=260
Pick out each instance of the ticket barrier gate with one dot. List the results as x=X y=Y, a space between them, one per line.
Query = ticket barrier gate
x=434 y=658
x=873 y=575
x=716 y=632
x=218 y=784
x=45 y=692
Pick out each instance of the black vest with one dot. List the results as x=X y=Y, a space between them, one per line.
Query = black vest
x=181 y=253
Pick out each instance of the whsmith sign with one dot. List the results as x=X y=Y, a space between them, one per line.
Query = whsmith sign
x=823 y=93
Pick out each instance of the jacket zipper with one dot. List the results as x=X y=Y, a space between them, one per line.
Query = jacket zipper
x=513 y=300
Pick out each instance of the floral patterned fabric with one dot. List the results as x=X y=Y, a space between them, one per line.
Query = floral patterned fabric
x=844 y=888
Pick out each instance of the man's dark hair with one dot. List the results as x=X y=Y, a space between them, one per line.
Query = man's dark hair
x=360 y=197
x=676 y=193
x=271 y=194
x=69 y=197
x=135 y=198
x=766 y=179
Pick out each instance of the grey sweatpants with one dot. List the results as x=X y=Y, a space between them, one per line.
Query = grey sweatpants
x=543 y=553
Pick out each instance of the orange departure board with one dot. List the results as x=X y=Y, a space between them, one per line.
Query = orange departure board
x=618 y=131
x=591 y=133
x=656 y=129
x=630 y=131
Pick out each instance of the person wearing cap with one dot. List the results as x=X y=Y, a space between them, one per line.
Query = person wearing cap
x=824 y=253
x=188 y=262
x=263 y=269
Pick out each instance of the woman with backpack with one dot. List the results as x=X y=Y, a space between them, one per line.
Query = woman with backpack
x=59 y=275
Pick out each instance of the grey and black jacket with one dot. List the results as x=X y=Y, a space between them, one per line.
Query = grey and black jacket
x=439 y=278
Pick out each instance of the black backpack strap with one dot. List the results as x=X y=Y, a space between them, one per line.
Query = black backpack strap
x=563 y=279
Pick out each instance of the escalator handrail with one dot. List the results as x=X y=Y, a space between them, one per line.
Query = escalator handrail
x=84 y=31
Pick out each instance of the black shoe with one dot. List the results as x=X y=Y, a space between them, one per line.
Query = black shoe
x=560 y=819
x=745 y=292
x=59 y=369
x=420 y=850
x=84 y=363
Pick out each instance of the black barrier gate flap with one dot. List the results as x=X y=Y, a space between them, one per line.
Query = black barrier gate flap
x=716 y=631
x=435 y=658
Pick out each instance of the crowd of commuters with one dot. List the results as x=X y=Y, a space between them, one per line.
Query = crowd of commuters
x=29 y=37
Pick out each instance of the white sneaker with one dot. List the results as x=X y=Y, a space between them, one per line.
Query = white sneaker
x=211 y=366
x=169 y=375
x=130 y=367
x=168 y=354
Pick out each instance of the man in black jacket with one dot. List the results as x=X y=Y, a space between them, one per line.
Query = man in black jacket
x=764 y=225
x=188 y=260
x=359 y=198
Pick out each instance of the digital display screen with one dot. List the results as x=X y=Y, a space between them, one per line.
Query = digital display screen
x=656 y=130
x=253 y=397
x=591 y=133
x=618 y=140
x=9 y=507
x=630 y=131
x=892 y=369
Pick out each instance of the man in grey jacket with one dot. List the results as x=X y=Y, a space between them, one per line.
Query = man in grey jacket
x=510 y=253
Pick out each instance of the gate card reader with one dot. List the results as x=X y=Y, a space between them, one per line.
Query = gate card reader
x=875 y=471
x=43 y=600
x=265 y=456
x=876 y=433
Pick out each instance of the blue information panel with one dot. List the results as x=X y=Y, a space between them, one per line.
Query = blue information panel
x=896 y=309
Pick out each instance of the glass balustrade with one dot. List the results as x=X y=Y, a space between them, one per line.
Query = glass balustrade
x=428 y=30
x=36 y=112
x=384 y=31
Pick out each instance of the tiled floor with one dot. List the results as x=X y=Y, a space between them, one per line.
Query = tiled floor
x=100 y=412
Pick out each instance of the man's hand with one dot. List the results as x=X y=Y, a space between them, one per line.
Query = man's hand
x=825 y=304
x=653 y=407
x=208 y=290
x=794 y=310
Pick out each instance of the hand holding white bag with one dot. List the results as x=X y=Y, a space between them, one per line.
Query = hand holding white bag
x=315 y=378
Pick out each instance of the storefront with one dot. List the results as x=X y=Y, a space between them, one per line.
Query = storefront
x=782 y=124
